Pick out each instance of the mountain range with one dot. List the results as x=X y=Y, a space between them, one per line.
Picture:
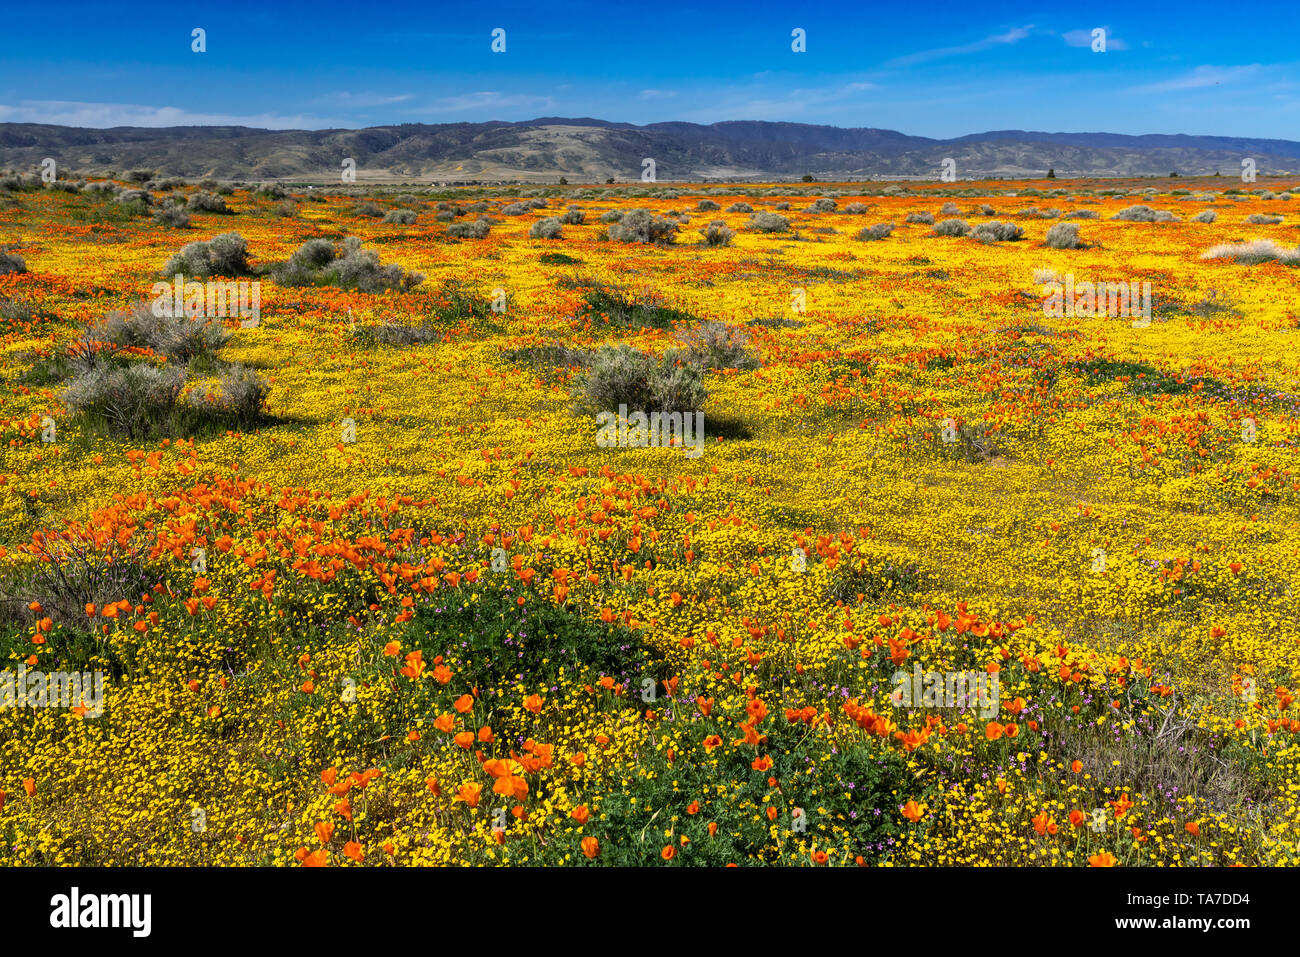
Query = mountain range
x=588 y=150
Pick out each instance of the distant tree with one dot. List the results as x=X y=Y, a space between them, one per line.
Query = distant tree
x=610 y=180
x=1051 y=174
x=564 y=181
x=1172 y=175
x=808 y=178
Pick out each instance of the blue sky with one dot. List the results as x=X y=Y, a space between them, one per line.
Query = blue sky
x=935 y=68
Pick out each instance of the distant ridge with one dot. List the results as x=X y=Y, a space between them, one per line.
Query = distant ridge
x=592 y=150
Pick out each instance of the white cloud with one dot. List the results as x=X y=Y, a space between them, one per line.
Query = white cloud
x=344 y=98
x=750 y=103
x=487 y=99
x=103 y=115
x=1012 y=36
x=1201 y=78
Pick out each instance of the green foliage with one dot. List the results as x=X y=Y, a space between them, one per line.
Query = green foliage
x=493 y=641
x=224 y=255
x=136 y=401
x=318 y=262
x=620 y=375
x=642 y=226
x=610 y=305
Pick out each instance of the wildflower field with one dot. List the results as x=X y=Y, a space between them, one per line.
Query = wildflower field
x=366 y=590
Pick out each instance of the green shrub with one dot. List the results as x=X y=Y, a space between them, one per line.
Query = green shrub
x=997 y=232
x=456 y=303
x=717 y=233
x=401 y=217
x=874 y=233
x=620 y=375
x=607 y=304
x=548 y=227
x=716 y=345
x=224 y=255
x=172 y=215
x=641 y=226
x=951 y=227
x=478 y=229
x=549 y=356
x=208 y=203
x=240 y=398
x=926 y=218
x=678 y=388
x=1255 y=252
x=765 y=222
x=134 y=197
x=136 y=400
x=573 y=216
x=15 y=310
x=180 y=339
x=1144 y=214
x=1063 y=236
x=495 y=640
x=11 y=263
x=319 y=262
